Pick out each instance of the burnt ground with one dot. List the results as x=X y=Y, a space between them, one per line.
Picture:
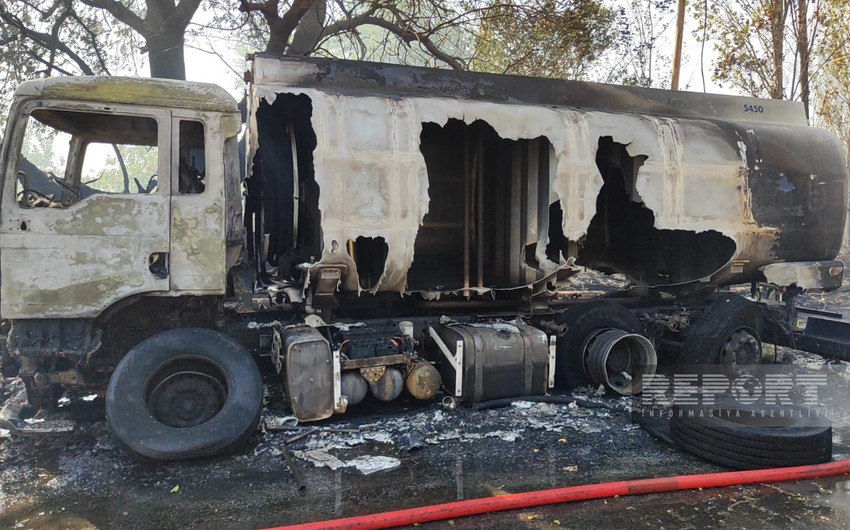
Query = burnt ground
x=428 y=455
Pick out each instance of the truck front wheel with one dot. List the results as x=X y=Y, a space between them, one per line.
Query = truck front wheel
x=184 y=393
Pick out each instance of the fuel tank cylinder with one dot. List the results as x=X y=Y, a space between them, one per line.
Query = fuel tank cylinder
x=423 y=381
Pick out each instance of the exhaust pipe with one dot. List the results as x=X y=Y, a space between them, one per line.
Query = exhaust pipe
x=619 y=360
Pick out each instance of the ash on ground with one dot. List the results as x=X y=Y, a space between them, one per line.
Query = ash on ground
x=414 y=454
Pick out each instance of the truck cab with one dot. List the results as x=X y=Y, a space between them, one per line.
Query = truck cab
x=115 y=187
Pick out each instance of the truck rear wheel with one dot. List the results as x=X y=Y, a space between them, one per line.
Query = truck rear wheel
x=184 y=393
x=583 y=322
x=727 y=337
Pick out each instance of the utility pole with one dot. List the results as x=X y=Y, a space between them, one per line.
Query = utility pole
x=677 y=53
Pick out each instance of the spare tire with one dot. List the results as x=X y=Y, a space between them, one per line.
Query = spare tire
x=740 y=437
x=184 y=393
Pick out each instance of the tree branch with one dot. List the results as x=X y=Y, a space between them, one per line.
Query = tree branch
x=120 y=12
x=185 y=10
x=48 y=41
x=40 y=59
x=93 y=36
x=404 y=33
x=280 y=28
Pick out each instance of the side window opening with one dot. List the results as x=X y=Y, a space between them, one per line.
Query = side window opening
x=67 y=156
x=119 y=168
x=192 y=158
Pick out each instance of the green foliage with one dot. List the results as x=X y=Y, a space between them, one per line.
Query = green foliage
x=102 y=168
x=757 y=43
x=549 y=38
x=831 y=78
x=741 y=30
x=46 y=147
x=762 y=51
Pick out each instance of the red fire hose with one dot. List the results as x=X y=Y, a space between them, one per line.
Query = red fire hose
x=451 y=510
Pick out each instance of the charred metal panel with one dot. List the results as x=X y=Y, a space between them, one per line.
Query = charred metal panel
x=281 y=210
x=622 y=236
x=197 y=261
x=371 y=176
x=409 y=81
x=798 y=183
x=825 y=275
x=500 y=360
x=233 y=216
x=695 y=176
x=478 y=184
x=43 y=338
x=309 y=377
x=73 y=263
x=76 y=261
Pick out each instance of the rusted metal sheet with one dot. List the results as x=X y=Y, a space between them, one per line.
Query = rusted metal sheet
x=75 y=262
x=198 y=258
x=132 y=91
x=78 y=260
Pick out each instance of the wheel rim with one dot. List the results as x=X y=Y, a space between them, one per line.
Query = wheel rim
x=186 y=393
x=619 y=360
x=741 y=352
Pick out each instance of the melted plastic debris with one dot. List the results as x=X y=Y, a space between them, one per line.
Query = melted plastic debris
x=277 y=423
x=410 y=441
x=261 y=325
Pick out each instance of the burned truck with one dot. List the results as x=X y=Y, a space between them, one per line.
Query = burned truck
x=393 y=229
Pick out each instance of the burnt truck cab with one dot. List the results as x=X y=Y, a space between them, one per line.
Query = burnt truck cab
x=113 y=189
x=74 y=242
x=391 y=229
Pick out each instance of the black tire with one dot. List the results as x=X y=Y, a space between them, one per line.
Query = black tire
x=184 y=393
x=582 y=320
x=731 y=324
x=743 y=443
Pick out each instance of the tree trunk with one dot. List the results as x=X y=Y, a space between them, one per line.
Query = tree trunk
x=309 y=29
x=165 y=53
x=803 y=51
x=278 y=40
x=777 y=30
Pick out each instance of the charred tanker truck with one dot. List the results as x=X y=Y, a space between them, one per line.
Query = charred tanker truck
x=395 y=229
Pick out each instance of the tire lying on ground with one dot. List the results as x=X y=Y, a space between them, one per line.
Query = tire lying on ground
x=740 y=437
x=184 y=393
